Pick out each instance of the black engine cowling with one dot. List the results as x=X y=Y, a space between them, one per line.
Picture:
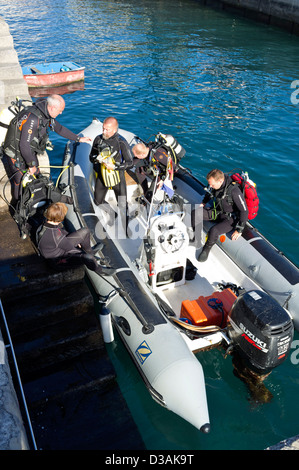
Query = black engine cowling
x=261 y=331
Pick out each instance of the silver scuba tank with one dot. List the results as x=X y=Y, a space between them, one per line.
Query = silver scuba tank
x=173 y=144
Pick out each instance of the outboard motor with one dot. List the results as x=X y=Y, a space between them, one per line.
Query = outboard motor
x=261 y=331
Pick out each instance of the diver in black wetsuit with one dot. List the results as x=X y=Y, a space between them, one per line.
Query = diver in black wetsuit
x=71 y=249
x=147 y=158
x=230 y=211
x=27 y=136
x=111 y=170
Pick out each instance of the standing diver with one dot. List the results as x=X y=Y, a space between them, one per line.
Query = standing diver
x=111 y=156
x=27 y=137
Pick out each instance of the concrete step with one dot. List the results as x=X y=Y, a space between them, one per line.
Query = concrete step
x=80 y=407
x=91 y=367
x=22 y=272
x=52 y=327
x=42 y=310
x=38 y=356
x=30 y=275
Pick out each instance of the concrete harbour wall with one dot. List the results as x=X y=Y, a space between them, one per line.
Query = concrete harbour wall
x=281 y=13
x=12 y=431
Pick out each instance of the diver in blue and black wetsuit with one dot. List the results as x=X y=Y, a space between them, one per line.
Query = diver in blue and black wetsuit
x=27 y=137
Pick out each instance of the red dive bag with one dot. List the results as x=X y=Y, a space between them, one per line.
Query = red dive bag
x=250 y=194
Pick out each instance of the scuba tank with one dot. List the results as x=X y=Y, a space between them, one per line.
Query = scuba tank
x=11 y=145
x=5 y=118
x=176 y=150
x=8 y=114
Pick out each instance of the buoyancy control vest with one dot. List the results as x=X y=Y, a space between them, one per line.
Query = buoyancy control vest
x=247 y=188
x=38 y=143
x=168 y=145
x=36 y=194
x=158 y=158
x=110 y=177
x=164 y=156
x=8 y=114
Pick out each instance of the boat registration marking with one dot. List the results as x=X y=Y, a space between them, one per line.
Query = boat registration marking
x=143 y=352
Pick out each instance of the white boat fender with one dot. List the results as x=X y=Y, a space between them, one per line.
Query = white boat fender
x=106 y=324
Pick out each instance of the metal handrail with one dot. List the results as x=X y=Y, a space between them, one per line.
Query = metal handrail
x=18 y=376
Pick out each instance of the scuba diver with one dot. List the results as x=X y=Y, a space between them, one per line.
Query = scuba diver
x=27 y=137
x=111 y=156
x=229 y=210
x=59 y=247
x=161 y=157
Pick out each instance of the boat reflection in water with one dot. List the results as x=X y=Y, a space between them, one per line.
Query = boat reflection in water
x=259 y=393
x=59 y=90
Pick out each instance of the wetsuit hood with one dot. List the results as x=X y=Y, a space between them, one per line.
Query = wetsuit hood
x=42 y=105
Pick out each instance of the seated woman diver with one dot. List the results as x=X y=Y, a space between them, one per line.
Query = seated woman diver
x=60 y=247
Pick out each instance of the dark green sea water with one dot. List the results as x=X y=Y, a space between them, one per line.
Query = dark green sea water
x=223 y=86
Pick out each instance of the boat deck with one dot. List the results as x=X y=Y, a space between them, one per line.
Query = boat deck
x=218 y=269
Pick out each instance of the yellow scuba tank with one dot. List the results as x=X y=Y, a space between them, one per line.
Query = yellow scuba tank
x=110 y=177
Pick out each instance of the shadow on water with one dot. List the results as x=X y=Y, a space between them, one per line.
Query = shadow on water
x=259 y=393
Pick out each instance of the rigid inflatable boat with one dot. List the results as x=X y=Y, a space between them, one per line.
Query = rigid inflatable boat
x=163 y=303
